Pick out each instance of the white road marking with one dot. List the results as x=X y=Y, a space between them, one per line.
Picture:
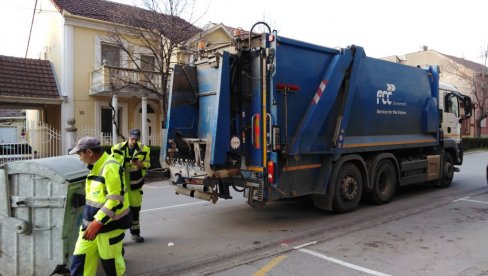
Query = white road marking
x=156 y=187
x=359 y=268
x=305 y=244
x=459 y=199
x=470 y=200
x=173 y=206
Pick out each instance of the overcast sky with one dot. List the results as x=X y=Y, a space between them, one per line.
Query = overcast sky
x=382 y=27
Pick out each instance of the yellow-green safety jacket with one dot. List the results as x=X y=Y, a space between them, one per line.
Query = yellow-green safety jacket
x=134 y=175
x=106 y=198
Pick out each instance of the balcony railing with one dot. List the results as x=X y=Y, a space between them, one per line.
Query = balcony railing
x=108 y=79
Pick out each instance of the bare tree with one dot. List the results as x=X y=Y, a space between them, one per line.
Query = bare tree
x=480 y=91
x=149 y=37
x=476 y=79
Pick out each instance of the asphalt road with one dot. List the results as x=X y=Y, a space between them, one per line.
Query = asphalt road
x=423 y=231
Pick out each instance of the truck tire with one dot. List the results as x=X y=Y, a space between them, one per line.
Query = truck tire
x=384 y=182
x=447 y=171
x=348 y=188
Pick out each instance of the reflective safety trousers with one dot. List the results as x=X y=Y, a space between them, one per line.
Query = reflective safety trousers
x=107 y=247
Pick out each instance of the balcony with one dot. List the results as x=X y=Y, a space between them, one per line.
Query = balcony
x=128 y=82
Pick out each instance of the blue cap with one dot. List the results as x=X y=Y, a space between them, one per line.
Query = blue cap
x=135 y=134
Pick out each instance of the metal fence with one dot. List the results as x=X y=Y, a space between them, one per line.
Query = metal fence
x=106 y=137
x=40 y=140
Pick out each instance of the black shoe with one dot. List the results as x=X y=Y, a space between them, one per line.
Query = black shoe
x=137 y=238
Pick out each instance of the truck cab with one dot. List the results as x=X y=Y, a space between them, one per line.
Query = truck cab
x=455 y=107
x=453 y=112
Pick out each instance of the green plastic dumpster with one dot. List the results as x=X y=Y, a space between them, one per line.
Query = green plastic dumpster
x=41 y=203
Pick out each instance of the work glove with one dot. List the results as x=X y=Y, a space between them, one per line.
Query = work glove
x=92 y=230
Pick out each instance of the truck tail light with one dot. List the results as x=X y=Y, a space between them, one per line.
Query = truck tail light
x=271 y=172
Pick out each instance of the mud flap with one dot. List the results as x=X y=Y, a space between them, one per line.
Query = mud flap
x=255 y=194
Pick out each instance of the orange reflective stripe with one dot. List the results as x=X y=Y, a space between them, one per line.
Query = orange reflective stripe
x=257 y=131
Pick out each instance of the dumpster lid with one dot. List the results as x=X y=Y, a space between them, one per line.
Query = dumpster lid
x=60 y=169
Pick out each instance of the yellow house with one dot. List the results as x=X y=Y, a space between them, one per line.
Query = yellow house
x=451 y=69
x=76 y=36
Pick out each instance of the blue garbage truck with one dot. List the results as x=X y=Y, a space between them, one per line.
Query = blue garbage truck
x=276 y=118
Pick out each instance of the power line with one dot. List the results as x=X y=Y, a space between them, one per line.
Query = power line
x=30 y=32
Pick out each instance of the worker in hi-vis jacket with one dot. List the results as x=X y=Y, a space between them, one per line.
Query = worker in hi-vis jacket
x=106 y=216
x=135 y=159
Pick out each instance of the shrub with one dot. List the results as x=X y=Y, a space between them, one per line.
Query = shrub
x=475 y=143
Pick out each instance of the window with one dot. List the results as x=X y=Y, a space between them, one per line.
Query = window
x=147 y=63
x=103 y=117
x=111 y=55
x=106 y=123
x=451 y=105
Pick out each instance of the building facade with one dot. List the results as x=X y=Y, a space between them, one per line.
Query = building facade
x=77 y=37
x=454 y=71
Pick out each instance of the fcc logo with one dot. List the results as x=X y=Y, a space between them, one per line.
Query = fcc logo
x=383 y=96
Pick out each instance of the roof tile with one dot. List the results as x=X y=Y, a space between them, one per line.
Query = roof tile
x=467 y=63
x=20 y=77
x=128 y=15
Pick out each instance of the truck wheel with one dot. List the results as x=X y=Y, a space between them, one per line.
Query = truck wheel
x=348 y=189
x=384 y=182
x=447 y=171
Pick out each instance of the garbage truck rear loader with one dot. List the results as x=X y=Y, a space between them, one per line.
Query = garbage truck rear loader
x=278 y=118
